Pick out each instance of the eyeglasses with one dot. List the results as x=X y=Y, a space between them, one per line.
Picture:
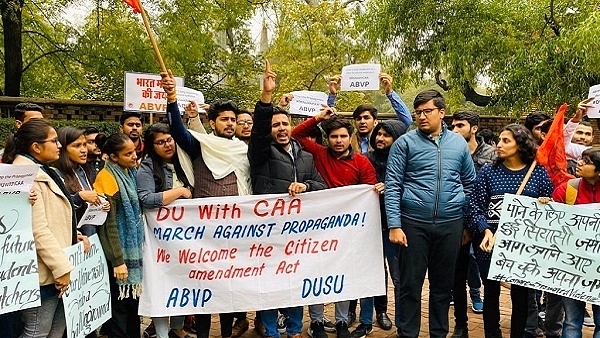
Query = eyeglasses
x=586 y=160
x=54 y=140
x=427 y=111
x=161 y=143
x=248 y=122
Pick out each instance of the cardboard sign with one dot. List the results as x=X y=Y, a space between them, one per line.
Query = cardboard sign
x=594 y=92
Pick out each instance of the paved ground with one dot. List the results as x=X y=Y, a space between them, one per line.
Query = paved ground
x=475 y=320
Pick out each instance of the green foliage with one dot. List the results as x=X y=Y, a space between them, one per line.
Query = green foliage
x=7 y=126
x=534 y=52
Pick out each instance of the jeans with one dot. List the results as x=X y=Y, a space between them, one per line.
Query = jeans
x=366 y=310
x=162 y=325
x=391 y=254
x=554 y=315
x=10 y=324
x=466 y=270
x=317 y=312
x=46 y=320
x=432 y=249
x=491 y=306
x=573 y=324
x=294 y=321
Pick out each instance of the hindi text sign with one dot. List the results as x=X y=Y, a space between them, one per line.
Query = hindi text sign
x=144 y=93
x=550 y=247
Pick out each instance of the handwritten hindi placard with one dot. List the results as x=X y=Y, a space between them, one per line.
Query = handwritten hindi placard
x=87 y=300
x=144 y=93
x=245 y=253
x=19 y=280
x=307 y=103
x=550 y=247
x=364 y=76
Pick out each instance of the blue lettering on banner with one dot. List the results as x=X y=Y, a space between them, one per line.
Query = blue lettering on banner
x=324 y=285
x=181 y=297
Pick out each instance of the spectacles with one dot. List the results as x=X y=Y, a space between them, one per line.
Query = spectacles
x=586 y=160
x=54 y=140
x=427 y=111
x=161 y=143
x=248 y=122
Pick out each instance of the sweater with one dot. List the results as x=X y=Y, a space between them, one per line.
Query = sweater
x=491 y=185
x=108 y=233
x=351 y=169
x=586 y=193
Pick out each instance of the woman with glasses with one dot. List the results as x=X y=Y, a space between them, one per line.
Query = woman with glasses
x=160 y=181
x=516 y=154
x=122 y=235
x=53 y=222
x=72 y=165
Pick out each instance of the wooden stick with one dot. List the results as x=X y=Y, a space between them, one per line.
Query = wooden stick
x=159 y=58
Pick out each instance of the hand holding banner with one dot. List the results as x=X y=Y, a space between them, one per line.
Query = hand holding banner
x=307 y=103
x=360 y=77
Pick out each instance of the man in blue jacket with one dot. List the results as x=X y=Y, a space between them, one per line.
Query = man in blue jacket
x=429 y=178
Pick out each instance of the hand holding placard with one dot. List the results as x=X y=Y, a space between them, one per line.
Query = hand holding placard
x=360 y=77
x=307 y=103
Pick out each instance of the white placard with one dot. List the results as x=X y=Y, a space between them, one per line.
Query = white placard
x=17 y=177
x=307 y=103
x=594 y=92
x=185 y=95
x=94 y=215
x=256 y=252
x=144 y=93
x=19 y=280
x=87 y=300
x=364 y=76
x=550 y=247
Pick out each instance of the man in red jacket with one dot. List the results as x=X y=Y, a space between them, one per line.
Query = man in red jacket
x=339 y=165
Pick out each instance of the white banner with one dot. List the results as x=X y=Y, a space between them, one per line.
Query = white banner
x=245 y=253
x=550 y=247
x=364 y=76
x=185 y=95
x=17 y=177
x=87 y=300
x=307 y=103
x=144 y=93
x=594 y=92
x=19 y=280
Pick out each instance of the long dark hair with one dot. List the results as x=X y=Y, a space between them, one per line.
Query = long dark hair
x=32 y=131
x=524 y=139
x=66 y=136
x=157 y=162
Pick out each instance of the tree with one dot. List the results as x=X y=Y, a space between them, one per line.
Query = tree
x=535 y=52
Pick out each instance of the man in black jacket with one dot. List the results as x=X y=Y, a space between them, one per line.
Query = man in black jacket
x=279 y=165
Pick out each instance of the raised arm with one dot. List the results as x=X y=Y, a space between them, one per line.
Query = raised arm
x=401 y=109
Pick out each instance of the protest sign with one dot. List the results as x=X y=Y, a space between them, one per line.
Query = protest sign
x=87 y=299
x=256 y=252
x=594 y=112
x=307 y=103
x=17 y=177
x=185 y=95
x=550 y=247
x=364 y=76
x=19 y=281
x=144 y=93
x=94 y=215
x=20 y=285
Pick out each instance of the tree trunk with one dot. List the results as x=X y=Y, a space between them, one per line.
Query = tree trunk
x=13 y=54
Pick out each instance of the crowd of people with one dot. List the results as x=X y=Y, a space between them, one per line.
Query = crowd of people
x=440 y=188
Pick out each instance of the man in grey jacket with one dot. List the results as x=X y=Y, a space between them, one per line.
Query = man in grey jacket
x=429 y=178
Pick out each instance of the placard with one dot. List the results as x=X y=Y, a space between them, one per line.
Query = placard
x=87 y=299
x=256 y=252
x=594 y=112
x=550 y=247
x=364 y=76
x=144 y=93
x=307 y=103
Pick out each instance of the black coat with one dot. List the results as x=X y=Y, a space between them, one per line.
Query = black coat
x=272 y=168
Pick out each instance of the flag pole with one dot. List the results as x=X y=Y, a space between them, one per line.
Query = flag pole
x=159 y=58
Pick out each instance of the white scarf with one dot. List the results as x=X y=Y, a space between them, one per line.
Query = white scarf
x=222 y=156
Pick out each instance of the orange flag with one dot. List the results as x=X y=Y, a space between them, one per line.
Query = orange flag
x=135 y=5
x=551 y=153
